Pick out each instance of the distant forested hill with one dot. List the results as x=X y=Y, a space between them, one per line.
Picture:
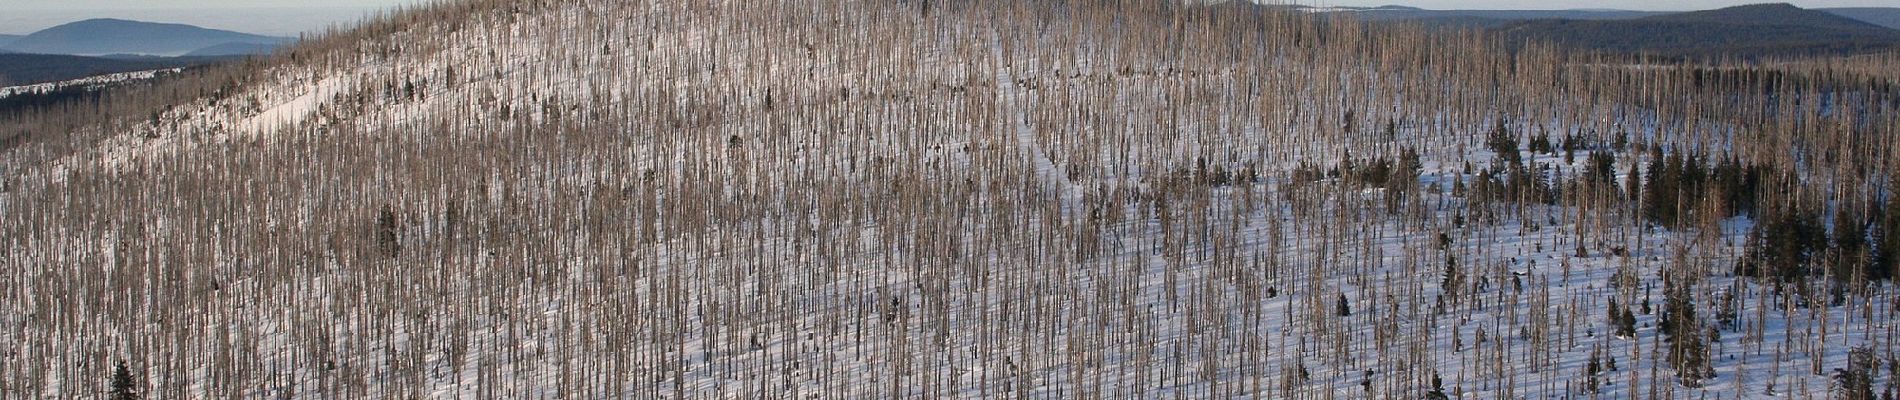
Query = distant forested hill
x=23 y=69
x=1745 y=31
x=114 y=36
x=1887 y=17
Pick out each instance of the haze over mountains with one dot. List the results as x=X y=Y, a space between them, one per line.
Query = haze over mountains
x=1887 y=17
x=21 y=69
x=106 y=46
x=1482 y=18
x=305 y=18
x=1749 y=31
x=1884 y=16
x=95 y=37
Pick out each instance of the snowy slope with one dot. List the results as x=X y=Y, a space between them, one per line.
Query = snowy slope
x=850 y=199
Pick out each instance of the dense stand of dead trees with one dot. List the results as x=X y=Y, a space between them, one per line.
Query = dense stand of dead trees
x=1087 y=199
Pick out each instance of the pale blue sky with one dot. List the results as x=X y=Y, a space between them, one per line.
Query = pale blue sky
x=290 y=17
x=269 y=17
x=176 y=4
x=1646 y=5
x=1434 y=4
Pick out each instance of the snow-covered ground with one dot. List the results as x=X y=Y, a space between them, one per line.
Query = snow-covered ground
x=87 y=82
x=630 y=200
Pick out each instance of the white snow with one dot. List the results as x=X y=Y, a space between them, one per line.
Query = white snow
x=90 y=81
x=818 y=302
x=294 y=111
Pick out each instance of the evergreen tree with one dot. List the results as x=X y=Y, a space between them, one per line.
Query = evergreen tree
x=1886 y=248
x=1678 y=313
x=1453 y=280
x=1633 y=184
x=1344 y=308
x=1856 y=382
x=1521 y=184
x=124 y=387
x=1602 y=167
x=1627 y=326
x=1659 y=200
x=1616 y=314
x=1727 y=314
x=1541 y=144
x=1739 y=185
x=1850 y=247
x=1688 y=349
x=1504 y=143
x=388 y=232
x=1786 y=244
x=1591 y=383
x=1410 y=166
x=1622 y=322
x=1438 y=388
x=1486 y=187
x=1691 y=185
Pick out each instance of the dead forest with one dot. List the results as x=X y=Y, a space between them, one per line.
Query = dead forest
x=954 y=199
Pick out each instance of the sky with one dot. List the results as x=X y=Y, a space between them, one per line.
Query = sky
x=292 y=17
x=184 y=4
x=1644 y=5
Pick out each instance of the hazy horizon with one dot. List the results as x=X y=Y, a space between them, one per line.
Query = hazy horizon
x=1681 y=5
x=290 y=18
x=274 y=21
x=1637 y=5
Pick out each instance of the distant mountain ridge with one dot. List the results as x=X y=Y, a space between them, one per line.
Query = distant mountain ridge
x=1743 y=31
x=233 y=49
x=1506 y=15
x=117 y=36
x=1748 y=31
x=1766 y=14
x=107 y=46
x=1887 y=17
x=1884 y=16
x=25 y=69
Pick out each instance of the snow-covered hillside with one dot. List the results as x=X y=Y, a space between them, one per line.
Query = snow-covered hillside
x=885 y=199
x=88 y=82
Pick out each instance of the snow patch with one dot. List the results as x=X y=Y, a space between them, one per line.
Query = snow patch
x=295 y=111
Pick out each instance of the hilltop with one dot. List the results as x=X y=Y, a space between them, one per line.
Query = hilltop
x=1884 y=16
x=932 y=199
x=1743 y=31
x=115 y=36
